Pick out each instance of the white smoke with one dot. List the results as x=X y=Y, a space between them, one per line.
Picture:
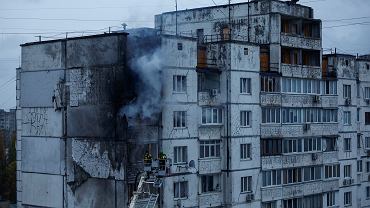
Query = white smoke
x=148 y=87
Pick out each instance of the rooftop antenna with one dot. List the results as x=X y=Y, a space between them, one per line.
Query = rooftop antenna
x=124 y=25
x=176 y=15
x=39 y=36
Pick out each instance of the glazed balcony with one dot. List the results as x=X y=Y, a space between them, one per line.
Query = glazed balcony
x=207 y=166
x=300 y=41
x=298 y=130
x=298 y=189
x=301 y=71
x=209 y=98
x=330 y=157
x=291 y=160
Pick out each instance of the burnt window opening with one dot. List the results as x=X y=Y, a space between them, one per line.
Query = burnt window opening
x=347 y=63
x=367 y=66
x=301 y=27
x=271 y=147
x=245 y=51
x=179 y=46
x=297 y=56
x=367 y=118
x=208 y=82
x=265 y=58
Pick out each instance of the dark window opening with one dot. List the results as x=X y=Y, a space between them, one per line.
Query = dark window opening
x=245 y=51
x=271 y=147
x=367 y=118
x=347 y=62
x=265 y=58
x=179 y=46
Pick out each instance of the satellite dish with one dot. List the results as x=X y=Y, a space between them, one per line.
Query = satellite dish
x=191 y=167
x=191 y=164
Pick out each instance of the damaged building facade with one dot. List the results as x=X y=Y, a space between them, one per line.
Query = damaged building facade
x=250 y=113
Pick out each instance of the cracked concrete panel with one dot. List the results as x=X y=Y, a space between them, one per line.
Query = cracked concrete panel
x=49 y=56
x=39 y=190
x=96 y=193
x=41 y=122
x=99 y=159
x=42 y=155
x=40 y=84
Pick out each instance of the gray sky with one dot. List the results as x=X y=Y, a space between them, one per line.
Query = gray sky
x=53 y=18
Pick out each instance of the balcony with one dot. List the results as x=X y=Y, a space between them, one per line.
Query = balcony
x=299 y=189
x=213 y=199
x=292 y=160
x=300 y=41
x=298 y=130
x=329 y=101
x=301 y=71
x=207 y=166
x=270 y=99
x=210 y=98
x=330 y=157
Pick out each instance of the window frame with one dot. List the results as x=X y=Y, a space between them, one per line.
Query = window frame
x=245 y=118
x=179 y=119
x=180 y=185
x=347 y=145
x=246 y=151
x=210 y=146
x=347 y=198
x=213 y=111
x=246 y=184
x=179 y=84
x=245 y=86
x=180 y=155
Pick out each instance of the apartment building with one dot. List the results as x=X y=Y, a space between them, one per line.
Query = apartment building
x=282 y=134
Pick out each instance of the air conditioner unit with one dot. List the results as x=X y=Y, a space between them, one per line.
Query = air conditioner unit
x=249 y=197
x=314 y=156
x=316 y=99
x=306 y=127
x=214 y=92
x=347 y=101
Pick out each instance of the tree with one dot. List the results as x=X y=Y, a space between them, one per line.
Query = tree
x=2 y=164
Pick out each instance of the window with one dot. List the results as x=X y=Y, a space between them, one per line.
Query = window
x=293 y=175
x=359 y=166
x=332 y=171
x=291 y=85
x=210 y=183
x=292 y=115
x=180 y=189
x=347 y=91
x=367 y=118
x=330 y=87
x=312 y=144
x=292 y=145
x=329 y=115
x=210 y=149
x=347 y=144
x=347 y=118
x=311 y=86
x=359 y=141
x=368 y=192
x=269 y=204
x=179 y=119
x=347 y=171
x=347 y=198
x=179 y=46
x=312 y=115
x=271 y=178
x=367 y=66
x=245 y=51
x=271 y=147
x=330 y=144
x=180 y=154
x=367 y=142
x=293 y=203
x=179 y=83
x=367 y=166
x=211 y=116
x=270 y=115
x=312 y=173
x=270 y=84
x=246 y=184
x=358 y=89
x=245 y=118
x=367 y=93
x=245 y=85
x=245 y=151
x=347 y=63
x=330 y=199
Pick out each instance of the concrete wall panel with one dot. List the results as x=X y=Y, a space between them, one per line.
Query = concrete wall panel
x=41 y=122
x=42 y=190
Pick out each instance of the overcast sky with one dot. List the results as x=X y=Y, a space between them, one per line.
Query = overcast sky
x=51 y=19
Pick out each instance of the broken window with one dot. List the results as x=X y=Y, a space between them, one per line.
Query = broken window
x=210 y=183
x=180 y=155
x=179 y=83
x=180 y=189
x=209 y=149
x=179 y=119
x=245 y=118
x=179 y=46
x=211 y=116
x=270 y=84
x=271 y=147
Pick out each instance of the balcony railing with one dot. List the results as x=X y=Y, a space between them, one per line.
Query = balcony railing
x=207 y=166
x=300 y=41
x=209 y=98
x=292 y=160
x=212 y=199
x=301 y=71
x=297 y=130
